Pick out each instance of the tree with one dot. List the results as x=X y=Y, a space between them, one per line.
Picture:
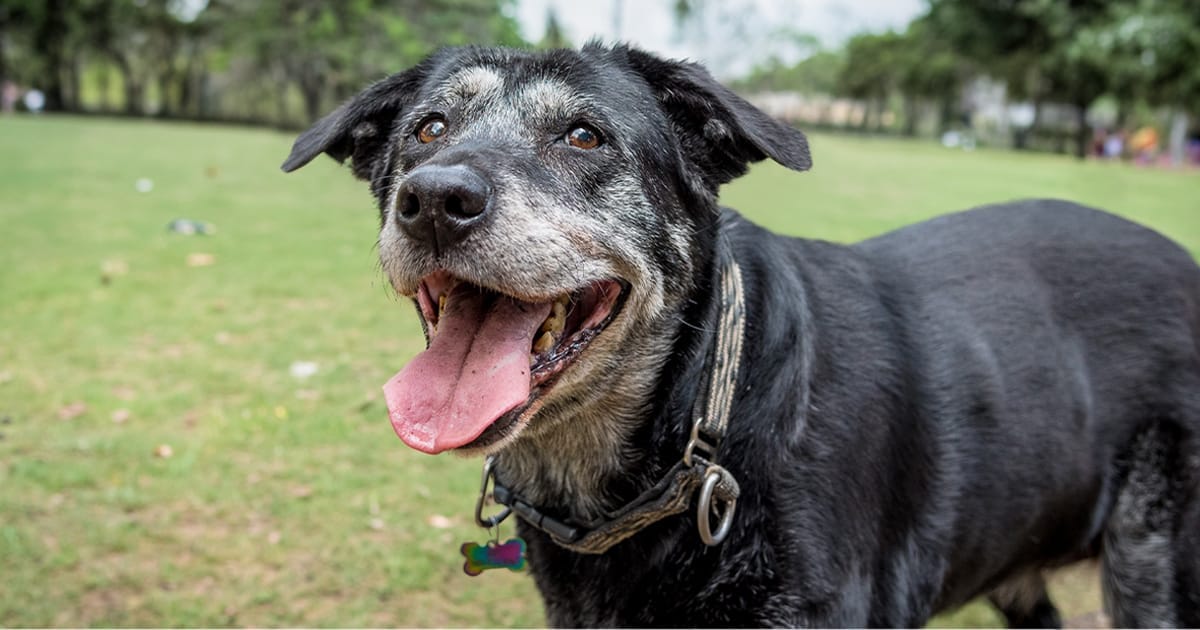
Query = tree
x=928 y=69
x=237 y=58
x=1036 y=46
x=870 y=72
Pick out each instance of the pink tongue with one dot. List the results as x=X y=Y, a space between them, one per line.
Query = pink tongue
x=475 y=370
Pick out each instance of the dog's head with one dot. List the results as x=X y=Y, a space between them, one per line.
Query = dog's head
x=539 y=207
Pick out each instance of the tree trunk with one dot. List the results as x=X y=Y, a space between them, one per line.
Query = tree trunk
x=74 y=93
x=945 y=115
x=311 y=92
x=48 y=44
x=132 y=86
x=1083 y=132
x=3 y=59
x=104 y=82
x=910 y=116
x=133 y=96
x=1177 y=138
x=165 y=107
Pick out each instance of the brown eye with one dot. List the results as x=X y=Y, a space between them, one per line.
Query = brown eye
x=433 y=129
x=583 y=138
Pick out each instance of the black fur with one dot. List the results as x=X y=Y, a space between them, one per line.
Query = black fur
x=921 y=418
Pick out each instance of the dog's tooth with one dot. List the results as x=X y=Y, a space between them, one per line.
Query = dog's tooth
x=441 y=303
x=544 y=343
x=557 y=319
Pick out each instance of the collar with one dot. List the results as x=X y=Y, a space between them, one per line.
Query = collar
x=672 y=494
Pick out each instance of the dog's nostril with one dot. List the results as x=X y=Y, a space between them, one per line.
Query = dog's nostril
x=454 y=206
x=411 y=206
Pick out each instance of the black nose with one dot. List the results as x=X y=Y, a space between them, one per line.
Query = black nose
x=440 y=205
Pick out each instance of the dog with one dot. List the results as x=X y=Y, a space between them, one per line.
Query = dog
x=701 y=423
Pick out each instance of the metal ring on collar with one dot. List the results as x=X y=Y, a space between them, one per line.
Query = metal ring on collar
x=491 y=521
x=712 y=477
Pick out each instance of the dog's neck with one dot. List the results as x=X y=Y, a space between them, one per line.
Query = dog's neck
x=571 y=469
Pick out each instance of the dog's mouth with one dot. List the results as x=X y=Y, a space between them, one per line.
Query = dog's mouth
x=491 y=358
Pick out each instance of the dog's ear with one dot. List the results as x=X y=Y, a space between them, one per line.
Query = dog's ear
x=359 y=129
x=717 y=128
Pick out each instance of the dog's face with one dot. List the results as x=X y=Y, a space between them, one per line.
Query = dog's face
x=540 y=209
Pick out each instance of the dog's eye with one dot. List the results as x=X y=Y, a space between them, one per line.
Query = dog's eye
x=433 y=129
x=583 y=137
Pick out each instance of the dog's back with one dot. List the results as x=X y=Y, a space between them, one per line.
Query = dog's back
x=1059 y=365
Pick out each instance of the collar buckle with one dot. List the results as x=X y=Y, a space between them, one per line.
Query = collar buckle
x=700 y=446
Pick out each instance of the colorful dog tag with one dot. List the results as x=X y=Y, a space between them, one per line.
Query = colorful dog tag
x=508 y=555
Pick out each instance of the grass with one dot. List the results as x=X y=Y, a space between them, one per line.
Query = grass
x=289 y=502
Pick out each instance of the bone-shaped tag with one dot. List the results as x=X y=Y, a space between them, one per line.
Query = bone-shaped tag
x=508 y=555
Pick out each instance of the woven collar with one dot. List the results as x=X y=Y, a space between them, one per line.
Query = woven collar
x=718 y=490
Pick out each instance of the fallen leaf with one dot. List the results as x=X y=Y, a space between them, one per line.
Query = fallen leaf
x=301 y=492
x=72 y=411
x=114 y=267
x=222 y=338
x=376 y=524
x=164 y=451
x=281 y=412
x=124 y=393
x=200 y=259
x=274 y=538
x=5 y=376
x=120 y=415
x=440 y=522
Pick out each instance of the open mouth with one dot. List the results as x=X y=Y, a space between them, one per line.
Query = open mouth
x=491 y=357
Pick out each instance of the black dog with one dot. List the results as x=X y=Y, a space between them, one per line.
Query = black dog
x=865 y=434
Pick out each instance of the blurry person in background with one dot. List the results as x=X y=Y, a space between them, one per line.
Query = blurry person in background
x=9 y=93
x=34 y=101
x=1114 y=145
x=1144 y=145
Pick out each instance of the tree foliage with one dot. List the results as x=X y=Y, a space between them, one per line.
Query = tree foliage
x=282 y=61
x=1076 y=51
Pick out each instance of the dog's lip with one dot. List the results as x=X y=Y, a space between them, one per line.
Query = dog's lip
x=438 y=283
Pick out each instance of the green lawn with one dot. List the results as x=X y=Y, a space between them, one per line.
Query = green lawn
x=287 y=501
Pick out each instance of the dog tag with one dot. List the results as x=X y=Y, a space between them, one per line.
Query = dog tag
x=493 y=555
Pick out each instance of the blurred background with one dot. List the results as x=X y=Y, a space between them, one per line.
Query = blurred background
x=1110 y=78
x=192 y=344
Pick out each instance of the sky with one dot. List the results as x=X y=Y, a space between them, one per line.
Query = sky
x=734 y=36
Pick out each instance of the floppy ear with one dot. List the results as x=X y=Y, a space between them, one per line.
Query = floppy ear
x=358 y=129
x=718 y=129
